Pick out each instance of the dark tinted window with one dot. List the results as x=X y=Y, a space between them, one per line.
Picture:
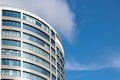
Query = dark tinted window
x=11 y=13
x=11 y=23
x=11 y=42
x=30 y=28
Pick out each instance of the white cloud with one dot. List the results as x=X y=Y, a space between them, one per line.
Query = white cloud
x=74 y=65
x=115 y=62
x=56 y=12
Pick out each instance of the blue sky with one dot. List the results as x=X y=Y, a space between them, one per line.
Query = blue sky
x=94 y=54
x=90 y=31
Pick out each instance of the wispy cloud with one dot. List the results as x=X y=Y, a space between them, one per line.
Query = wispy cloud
x=115 y=62
x=74 y=65
x=55 y=12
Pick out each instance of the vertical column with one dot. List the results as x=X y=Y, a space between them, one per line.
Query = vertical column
x=0 y=37
x=50 y=59
x=21 y=44
x=56 y=56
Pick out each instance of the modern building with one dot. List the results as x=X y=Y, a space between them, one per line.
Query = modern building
x=30 y=48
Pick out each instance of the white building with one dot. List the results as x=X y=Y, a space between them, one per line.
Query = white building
x=30 y=48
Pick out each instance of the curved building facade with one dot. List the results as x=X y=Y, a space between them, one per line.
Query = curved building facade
x=30 y=48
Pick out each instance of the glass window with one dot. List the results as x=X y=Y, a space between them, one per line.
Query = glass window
x=29 y=18
x=36 y=68
x=32 y=29
x=57 y=36
x=37 y=40
x=11 y=42
x=8 y=72
x=53 y=69
x=11 y=13
x=53 y=34
x=59 y=53
x=53 y=60
x=31 y=76
x=10 y=33
x=58 y=67
x=59 y=60
x=36 y=21
x=53 y=51
x=11 y=62
x=11 y=23
x=45 y=27
x=58 y=74
x=36 y=49
x=53 y=77
x=62 y=77
x=11 y=52
x=36 y=58
x=52 y=42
